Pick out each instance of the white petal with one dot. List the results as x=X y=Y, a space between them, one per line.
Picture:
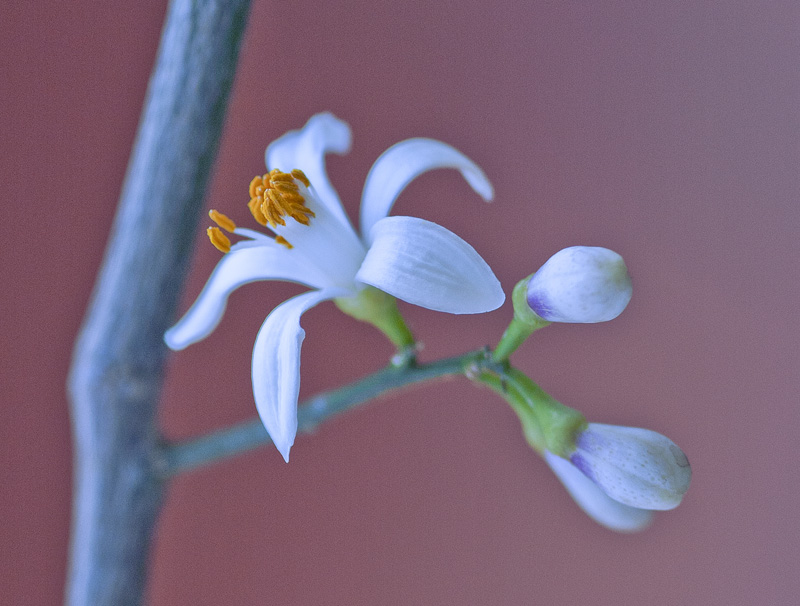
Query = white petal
x=242 y=265
x=401 y=164
x=425 y=264
x=257 y=237
x=306 y=148
x=335 y=250
x=276 y=366
x=597 y=504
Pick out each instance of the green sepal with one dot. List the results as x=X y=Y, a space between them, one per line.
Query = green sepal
x=546 y=423
x=379 y=309
x=523 y=311
x=558 y=425
x=522 y=326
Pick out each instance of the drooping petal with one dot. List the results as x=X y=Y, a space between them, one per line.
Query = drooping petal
x=306 y=148
x=243 y=264
x=425 y=264
x=597 y=504
x=276 y=366
x=401 y=164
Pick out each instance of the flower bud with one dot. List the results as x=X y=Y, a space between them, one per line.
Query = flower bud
x=620 y=475
x=580 y=284
x=636 y=467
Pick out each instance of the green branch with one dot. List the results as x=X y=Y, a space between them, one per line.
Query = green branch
x=231 y=441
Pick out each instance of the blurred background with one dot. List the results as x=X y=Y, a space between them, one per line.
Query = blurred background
x=667 y=131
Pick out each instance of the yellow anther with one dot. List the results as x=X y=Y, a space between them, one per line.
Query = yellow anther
x=301 y=176
x=276 y=195
x=223 y=221
x=274 y=200
x=277 y=175
x=287 y=187
x=255 y=209
x=272 y=214
x=218 y=239
x=258 y=185
x=283 y=241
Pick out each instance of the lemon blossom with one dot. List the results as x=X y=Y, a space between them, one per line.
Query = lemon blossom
x=620 y=475
x=314 y=244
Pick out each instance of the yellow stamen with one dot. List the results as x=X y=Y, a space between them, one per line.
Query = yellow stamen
x=218 y=239
x=283 y=241
x=276 y=175
x=273 y=200
x=223 y=221
x=301 y=176
x=276 y=195
x=287 y=188
x=255 y=208
x=257 y=186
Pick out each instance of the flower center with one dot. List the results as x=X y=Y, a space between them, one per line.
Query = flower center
x=276 y=195
x=273 y=196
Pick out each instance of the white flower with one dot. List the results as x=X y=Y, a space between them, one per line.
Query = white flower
x=619 y=475
x=314 y=244
x=581 y=284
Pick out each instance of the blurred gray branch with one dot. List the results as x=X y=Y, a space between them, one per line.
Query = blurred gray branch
x=118 y=361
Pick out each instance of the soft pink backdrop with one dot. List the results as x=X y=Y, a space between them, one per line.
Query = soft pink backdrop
x=666 y=130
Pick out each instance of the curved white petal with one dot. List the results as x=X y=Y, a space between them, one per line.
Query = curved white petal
x=425 y=264
x=597 y=504
x=306 y=148
x=401 y=164
x=276 y=366
x=242 y=265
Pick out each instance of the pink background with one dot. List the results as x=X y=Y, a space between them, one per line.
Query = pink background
x=667 y=131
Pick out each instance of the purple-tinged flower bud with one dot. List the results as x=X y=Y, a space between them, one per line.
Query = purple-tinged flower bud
x=634 y=466
x=580 y=284
x=619 y=475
